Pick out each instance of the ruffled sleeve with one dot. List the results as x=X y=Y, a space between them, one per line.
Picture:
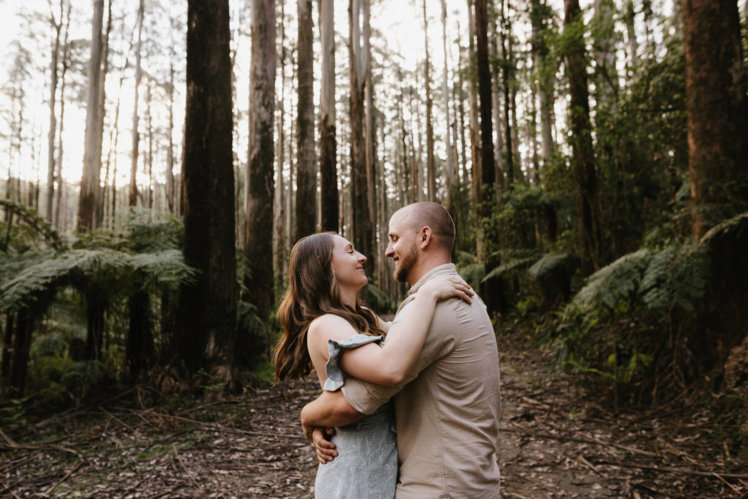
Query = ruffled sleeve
x=336 y=348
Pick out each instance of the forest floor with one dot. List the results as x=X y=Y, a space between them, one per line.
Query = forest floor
x=557 y=441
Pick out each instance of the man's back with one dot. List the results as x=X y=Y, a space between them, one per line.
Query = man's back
x=448 y=412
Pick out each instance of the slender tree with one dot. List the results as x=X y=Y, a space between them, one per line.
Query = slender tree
x=430 y=163
x=363 y=233
x=328 y=142
x=448 y=129
x=207 y=310
x=306 y=174
x=57 y=25
x=260 y=182
x=133 y=195
x=583 y=154
x=89 y=192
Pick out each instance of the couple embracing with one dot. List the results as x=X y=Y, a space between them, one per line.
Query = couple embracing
x=409 y=408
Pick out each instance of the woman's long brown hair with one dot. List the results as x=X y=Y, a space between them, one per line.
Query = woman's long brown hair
x=312 y=292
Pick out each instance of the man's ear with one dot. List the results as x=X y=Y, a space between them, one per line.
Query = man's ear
x=426 y=236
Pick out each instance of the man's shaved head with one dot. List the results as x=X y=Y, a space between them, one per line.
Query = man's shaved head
x=418 y=215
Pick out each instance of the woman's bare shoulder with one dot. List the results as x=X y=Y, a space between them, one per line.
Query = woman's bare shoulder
x=330 y=326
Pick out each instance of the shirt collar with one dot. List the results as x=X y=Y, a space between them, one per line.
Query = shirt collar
x=446 y=268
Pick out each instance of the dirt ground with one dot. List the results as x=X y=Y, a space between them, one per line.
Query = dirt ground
x=556 y=442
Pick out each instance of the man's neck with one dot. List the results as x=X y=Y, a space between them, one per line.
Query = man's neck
x=428 y=264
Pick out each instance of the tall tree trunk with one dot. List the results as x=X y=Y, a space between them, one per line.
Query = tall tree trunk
x=133 y=196
x=260 y=182
x=306 y=174
x=717 y=110
x=207 y=310
x=475 y=147
x=370 y=134
x=328 y=142
x=63 y=84
x=583 y=154
x=488 y=173
x=170 y=190
x=139 y=347
x=102 y=108
x=606 y=76
x=430 y=163
x=449 y=124
x=496 y=86
x=540 y=14
x=89 y=190
x=362 y=226
x=507 y=84
x=53 y=81
x=280 y=227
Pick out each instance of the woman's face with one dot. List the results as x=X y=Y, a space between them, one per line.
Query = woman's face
x=348 y=265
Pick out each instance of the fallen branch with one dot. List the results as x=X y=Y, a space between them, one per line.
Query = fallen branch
x=736 y=476
x=68 y=475
x=179 y=458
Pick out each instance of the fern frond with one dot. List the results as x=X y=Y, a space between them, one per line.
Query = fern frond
x=505 y=268
x=614 y=282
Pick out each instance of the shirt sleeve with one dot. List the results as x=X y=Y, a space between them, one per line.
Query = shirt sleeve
x=367 y=397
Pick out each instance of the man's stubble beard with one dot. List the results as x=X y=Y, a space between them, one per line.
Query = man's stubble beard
x=406 y=263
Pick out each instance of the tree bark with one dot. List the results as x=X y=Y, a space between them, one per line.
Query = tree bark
x=488 y=173
x=540 y=14
x=53 y=81
x=21 y=348
x=717 y=110
x=430 y=164
x=328 y=142
x=260 y=182
x=583 y=154
x=89 y=190
x=133 y=193
x=362 y=226
x=448 y=129
x=475 y=146
x=306 y=174
x=207 y=310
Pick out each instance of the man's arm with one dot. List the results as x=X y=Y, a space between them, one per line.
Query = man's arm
x=328 y=410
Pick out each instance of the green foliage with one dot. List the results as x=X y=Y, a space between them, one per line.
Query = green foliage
x=82 y=378
x=613 y=283
x=378 y=300
x=675 y=277
x=473 y=273
x=512 y=266
x=548 y=265
x=31 y=219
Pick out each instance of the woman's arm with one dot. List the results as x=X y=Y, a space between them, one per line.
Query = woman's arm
x=388 y=365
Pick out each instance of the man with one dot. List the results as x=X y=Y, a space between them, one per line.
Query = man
x=447 y=408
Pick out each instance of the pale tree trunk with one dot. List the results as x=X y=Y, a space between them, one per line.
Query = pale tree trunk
x=89 y=190
x=448 y=129
x=170 y=190
x=507 y=78
x=258 y=235
x=279 y=199
x=328 y=143
x=540 y=13
x=475 y=147
x=133 y=196
x=583 y=154
x=306 y=174
x=369 y=137
x=430 y=163
x=63 y=81
x=53 y=80
x=496 y=110
x=716 y=106
x=149 y=159
x=102 y=107
x=606 y=77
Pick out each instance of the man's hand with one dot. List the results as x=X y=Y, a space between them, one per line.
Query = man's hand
x=325 y=448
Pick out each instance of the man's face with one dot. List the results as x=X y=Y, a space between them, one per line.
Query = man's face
x=402 y=247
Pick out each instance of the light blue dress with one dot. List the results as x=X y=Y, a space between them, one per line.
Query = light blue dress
x=366 y=465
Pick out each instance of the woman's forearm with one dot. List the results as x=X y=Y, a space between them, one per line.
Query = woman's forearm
x=390 y=364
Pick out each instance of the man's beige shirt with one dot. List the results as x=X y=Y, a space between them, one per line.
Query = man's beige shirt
x=447 y=409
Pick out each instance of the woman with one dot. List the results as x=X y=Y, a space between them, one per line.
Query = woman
x=321 y=319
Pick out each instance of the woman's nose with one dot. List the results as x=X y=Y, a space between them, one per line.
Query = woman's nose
x=361 y=257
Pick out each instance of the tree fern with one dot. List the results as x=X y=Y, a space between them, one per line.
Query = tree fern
x=675 y=276
x=613 y=283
